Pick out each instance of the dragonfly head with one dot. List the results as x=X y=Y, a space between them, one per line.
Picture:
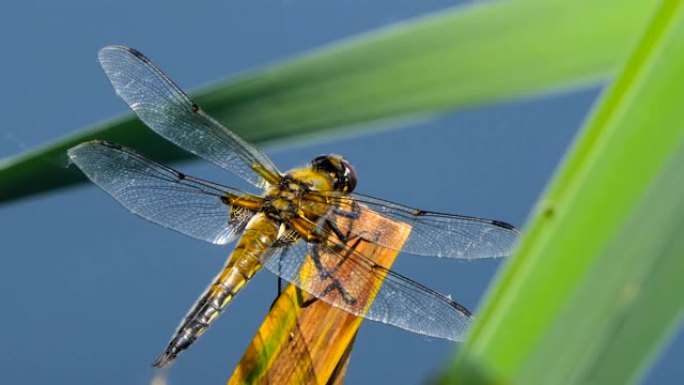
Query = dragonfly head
x=341 y=171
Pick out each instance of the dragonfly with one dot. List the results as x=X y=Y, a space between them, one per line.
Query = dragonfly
x=298 y=221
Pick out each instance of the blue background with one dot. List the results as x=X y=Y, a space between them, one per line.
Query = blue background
x=90 y=294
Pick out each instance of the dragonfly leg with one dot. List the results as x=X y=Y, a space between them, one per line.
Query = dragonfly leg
x=342 y=236
x=279 y=286
x=355 y=212
x=279 y=290
x=347 y=236
x=328 y=274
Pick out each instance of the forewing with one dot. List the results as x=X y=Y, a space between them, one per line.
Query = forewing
x=162 y=106
x=339 y=275
x=432 y=234
x=160 y=194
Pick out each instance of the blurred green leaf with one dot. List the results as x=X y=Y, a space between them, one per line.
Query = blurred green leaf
x=480 y=53
x=596 y=284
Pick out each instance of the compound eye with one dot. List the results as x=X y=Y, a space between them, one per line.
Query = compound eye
x=349 y=176
x=340 y=170
x=322 y=163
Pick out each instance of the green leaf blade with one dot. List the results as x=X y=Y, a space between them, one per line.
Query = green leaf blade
x=544 y=322
x=481 y=53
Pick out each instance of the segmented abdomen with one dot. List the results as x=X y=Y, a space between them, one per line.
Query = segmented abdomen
x=260 y=233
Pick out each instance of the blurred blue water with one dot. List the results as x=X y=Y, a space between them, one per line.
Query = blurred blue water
x=91 y=293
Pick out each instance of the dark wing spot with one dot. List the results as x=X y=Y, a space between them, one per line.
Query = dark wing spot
x=195 y=108
x=180 y=175
x=504 y=225
x=137 y=54
x=113 y=145
x=461 y=309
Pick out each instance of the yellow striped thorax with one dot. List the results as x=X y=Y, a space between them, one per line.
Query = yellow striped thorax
x=289 y=199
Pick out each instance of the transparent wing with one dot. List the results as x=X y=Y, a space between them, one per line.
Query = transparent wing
x=162 y=195
x=162 y=106
x=345 y=278
x=432 y=234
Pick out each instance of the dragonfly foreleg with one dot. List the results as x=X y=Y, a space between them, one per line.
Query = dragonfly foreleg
x=355 y=212
x=345 y=237
x=350 y=233
x=328 y=274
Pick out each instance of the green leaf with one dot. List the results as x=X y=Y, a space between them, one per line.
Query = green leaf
x=596 y=284
x=467 y=56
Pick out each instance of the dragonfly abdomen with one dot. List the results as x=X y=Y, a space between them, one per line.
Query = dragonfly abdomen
x=243 y=263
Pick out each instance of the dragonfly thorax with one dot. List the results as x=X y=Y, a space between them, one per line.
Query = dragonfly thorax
x=283 y=202
x=301 y=192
